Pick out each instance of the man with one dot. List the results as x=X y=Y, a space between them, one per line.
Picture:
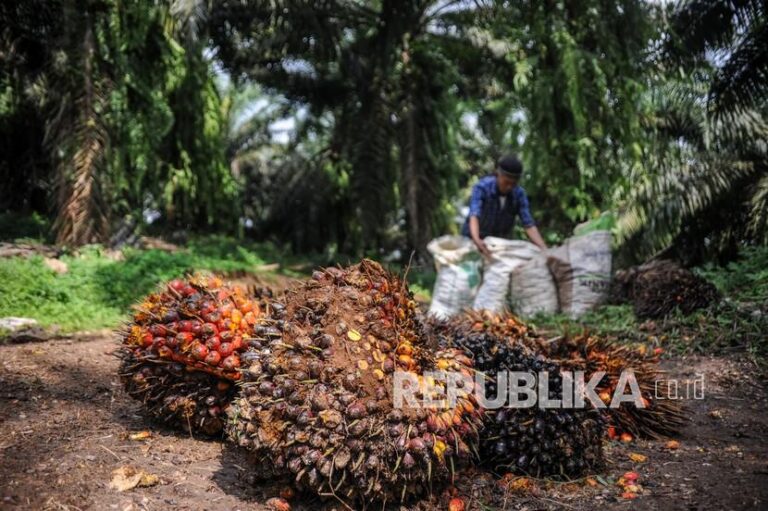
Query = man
x=495 y=202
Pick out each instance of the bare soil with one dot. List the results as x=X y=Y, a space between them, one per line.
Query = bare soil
x=65 y=426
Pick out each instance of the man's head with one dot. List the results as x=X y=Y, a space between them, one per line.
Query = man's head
x=508 y=172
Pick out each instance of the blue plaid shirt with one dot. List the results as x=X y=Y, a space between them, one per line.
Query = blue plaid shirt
x=496 y=220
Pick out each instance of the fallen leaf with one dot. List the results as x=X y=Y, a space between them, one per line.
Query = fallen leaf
x=638 y=458
x=141 y=435
x=672 y=445
x=127 y=478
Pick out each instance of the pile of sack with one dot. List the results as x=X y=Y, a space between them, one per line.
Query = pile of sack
x=572 y=278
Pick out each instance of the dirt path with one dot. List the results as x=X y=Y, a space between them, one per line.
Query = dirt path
x=65 y=426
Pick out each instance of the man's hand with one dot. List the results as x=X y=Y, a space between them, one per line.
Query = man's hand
x=482 y=248
x=534 y=235
x=474 y=233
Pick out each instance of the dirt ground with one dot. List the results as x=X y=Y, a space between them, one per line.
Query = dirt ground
x=65 y=426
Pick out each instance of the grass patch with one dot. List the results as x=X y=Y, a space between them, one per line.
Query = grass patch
x=98 y=291
x=736 y=323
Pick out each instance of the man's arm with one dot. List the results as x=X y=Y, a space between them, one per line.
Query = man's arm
x=535 y=236
x=476 y=201
x=474 y=233
x=528 y=223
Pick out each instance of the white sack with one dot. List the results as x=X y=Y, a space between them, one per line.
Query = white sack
x=533 y=289
x=582 y=271
x=458 y=274
x=506 y=255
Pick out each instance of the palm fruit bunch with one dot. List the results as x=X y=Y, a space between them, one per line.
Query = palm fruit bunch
x=662 y=415
x=658 y=288
x=562 y=442
x=183 y=349
x=318 y=403
x=500 y=325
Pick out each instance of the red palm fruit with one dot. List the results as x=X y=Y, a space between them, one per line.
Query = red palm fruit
x=246 y=306
x=213 y=343
x=185 y=325
x=165 y=352
x=146 y=340
x=237 y=343
x=226 y=309
x=212 y=317
x=197 y=328
x=226 y=336
x=172 y=327
x=236 y=316
x=250 y=318
x=188 y=290
x=225 y=324
x=158 y=330
x=199 y=351
x=213 y=358
x=210 y=329
x=207 y=307
x=222 y=294
x=184 y=338
x=172 y=342
x=177 y=285
x=230 y=363
x=157 y=342
x=225 y=349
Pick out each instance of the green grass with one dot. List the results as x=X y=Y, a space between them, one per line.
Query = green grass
x=736 y=323
x=98 y=291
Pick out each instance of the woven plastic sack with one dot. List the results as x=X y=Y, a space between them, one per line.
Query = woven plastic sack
x=458 y=274
x=582 y=271
x=506 y=255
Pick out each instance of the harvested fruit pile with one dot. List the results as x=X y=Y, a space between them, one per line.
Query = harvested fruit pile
x=307 y=384
x=318 y=403
x=658 y=288
x=661 y=417
x=564 y=442
x=182 y=351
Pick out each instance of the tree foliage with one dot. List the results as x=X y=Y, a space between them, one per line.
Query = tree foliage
x=701 y=193
x=115 y=112
x=131 y=116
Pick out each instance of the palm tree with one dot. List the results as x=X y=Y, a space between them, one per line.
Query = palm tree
x=705 y=190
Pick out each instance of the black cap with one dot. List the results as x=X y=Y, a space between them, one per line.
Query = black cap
x=510 y=165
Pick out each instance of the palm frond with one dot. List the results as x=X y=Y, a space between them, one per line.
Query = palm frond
x=741 y=82
x=658 y=208
x=758 y=226
x=702 y=25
